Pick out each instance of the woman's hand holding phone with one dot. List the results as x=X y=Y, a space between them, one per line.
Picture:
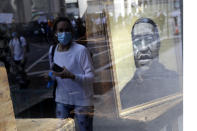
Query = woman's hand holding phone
x=64 y=74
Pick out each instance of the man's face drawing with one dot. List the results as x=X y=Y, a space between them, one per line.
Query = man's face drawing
x=145 y=44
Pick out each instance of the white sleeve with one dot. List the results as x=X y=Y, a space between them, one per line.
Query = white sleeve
x=87 y=65
x=50 y=56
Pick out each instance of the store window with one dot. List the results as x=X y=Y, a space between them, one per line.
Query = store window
x=135 y=47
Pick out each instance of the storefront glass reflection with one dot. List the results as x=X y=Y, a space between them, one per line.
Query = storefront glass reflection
x=135 y=46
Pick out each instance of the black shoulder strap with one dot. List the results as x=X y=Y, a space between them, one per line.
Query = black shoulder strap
x=53 y=52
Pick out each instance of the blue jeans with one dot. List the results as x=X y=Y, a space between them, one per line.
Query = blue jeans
x=83 y=115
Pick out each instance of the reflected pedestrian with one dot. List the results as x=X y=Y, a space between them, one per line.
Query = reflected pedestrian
x=18 y=49
x=4 y=49
x=81 y=30
x=161 y=19
x=74 y=91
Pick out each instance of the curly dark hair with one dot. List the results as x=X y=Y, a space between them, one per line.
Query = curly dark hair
x=60 y=19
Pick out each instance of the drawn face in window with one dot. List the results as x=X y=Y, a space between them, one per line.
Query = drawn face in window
x=145 y=43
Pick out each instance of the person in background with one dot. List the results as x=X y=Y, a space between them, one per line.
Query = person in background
x=17 y=46
x=81 y=30
x=161 y=19
x=74 y=90
x=4 y=48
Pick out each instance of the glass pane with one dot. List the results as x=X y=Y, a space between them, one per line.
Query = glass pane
x=135 y=47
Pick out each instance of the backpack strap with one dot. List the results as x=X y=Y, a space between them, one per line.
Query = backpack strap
x=53 y=52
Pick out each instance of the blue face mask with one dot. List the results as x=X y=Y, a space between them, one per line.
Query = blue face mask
x=64 y=37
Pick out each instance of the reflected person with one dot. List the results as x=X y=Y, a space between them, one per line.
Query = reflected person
x=74 y=91
x=151 y=79
x=17 y=46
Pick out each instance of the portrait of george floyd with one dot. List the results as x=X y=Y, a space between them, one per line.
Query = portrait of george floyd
x=151 y=79
x=147 y=57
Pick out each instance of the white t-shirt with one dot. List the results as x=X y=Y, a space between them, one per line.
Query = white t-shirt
x=18 y=48
x=78 y=61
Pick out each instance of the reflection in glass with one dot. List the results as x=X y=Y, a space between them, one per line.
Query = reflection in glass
x=135 y=46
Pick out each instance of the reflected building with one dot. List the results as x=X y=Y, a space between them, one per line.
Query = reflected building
x=72 y=8
x=24 y=10
x=119 y=9
x=48 y=8
x=6 y=7
x=20 y=9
